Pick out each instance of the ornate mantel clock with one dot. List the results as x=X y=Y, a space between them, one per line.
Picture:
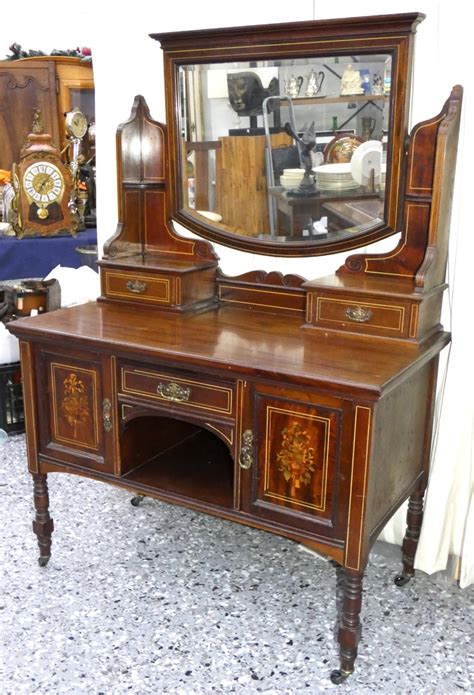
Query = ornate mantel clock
x=42 y=184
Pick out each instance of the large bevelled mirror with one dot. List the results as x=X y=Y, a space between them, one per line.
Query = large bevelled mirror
x=288 y=146
x=285 y=151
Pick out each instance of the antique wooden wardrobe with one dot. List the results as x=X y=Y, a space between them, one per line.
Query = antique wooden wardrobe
x=304 y=408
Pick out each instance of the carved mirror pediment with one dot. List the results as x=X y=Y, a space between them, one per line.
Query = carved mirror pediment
x=289 y=139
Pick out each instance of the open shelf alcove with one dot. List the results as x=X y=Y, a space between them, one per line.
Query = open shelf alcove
x=178 y=457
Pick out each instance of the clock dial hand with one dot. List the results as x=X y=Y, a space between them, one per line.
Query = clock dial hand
x=42 y=185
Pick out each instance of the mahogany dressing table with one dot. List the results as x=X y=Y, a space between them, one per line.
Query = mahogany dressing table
x=303 y=408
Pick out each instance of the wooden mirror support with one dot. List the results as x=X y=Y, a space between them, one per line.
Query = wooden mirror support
x=146 y=261
x=399 y=294
x=302 y=408
x=395 y=295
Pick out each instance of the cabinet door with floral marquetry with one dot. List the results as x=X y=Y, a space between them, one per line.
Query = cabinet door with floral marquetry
x=298 y=459
x=78 y=416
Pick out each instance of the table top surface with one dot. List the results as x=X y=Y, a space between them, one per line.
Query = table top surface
x=358 y=193
x=242 y=341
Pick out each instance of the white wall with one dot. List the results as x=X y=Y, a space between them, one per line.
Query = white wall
x=127 y=62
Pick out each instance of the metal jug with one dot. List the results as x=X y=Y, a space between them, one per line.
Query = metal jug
x=293 y=86
x=315 y=82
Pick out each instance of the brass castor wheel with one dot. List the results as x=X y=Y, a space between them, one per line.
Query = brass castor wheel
x=402 y=579
x=137 y=500
x=43 y=560
x=338 y=676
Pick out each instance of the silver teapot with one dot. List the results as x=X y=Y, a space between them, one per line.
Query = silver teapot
x=293 y=86
x=315 y=82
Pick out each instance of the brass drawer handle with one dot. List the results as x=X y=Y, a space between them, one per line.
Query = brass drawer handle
x=136 y=286
x=107 y=414
x=174 y=392
x=358 y=314
x=246 y=451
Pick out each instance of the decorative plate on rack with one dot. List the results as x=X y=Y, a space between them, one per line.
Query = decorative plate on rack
x=341 y=148
x=367 y=159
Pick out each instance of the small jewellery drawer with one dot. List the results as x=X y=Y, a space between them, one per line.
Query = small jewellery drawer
x=138 y=287
x=178 y=390
x=360 y=315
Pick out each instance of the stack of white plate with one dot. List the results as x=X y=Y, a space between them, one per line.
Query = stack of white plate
x=335 y=177
x=213 y=216
x=291 y=178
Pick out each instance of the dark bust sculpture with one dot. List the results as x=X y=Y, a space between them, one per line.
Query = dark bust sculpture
x=246 y=92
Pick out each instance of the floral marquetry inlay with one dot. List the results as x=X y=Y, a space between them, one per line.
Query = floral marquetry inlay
x=75 y=405
x=75 y=414
x=296 y=457
x=298 y=460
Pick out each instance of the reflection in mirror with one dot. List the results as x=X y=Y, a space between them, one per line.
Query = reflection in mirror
x=289 y=150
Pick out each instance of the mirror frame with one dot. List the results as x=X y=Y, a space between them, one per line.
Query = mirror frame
x=390 y=34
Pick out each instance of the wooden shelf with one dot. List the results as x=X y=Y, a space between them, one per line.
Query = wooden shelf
x=199 y=467
x=340 y=100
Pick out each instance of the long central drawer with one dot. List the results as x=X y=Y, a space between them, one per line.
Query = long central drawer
x=178 y=389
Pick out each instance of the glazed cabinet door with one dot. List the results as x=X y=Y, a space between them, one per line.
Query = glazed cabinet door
x=299 y=461
x=77 y=413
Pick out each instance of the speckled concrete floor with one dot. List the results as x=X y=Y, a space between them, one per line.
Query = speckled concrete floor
x=159 y=599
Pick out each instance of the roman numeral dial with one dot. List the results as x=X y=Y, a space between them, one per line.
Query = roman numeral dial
x=44 y=184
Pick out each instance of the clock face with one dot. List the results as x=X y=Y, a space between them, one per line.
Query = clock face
x=44 y=184
x=77 y=124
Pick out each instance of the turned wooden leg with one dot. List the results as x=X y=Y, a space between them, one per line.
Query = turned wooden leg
x=340 y=582
x=43 y=524
x=412 y=535
x=349 y=627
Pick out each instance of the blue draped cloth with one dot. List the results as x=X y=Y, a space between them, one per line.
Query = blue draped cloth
x=35 y=257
